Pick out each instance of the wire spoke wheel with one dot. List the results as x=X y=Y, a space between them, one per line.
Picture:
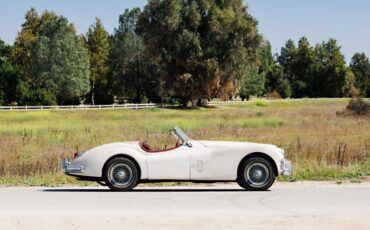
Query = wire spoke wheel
x=257 y=174
x=120 y=174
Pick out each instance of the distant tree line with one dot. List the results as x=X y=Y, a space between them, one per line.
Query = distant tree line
x=183 y=52
x=320 y=71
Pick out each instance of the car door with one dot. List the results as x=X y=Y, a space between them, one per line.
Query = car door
x=199 y=162
x=211 y=163
x=169 y=165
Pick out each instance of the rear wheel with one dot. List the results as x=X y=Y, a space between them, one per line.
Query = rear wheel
x=256 y=174
x=121 y=174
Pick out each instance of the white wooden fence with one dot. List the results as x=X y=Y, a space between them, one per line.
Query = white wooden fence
x=98 y=107
x=212 y=103
x=79 y=107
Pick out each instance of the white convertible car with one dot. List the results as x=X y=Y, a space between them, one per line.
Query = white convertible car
x=123 y=165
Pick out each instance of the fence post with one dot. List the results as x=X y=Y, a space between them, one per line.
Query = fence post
x=42 y=107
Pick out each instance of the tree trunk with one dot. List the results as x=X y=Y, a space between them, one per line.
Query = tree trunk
x=93 y=93
x=184 y=102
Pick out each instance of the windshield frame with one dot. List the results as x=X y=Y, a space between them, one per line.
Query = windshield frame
x=182 y=135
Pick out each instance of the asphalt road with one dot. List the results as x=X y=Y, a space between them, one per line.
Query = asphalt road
x=299 y=205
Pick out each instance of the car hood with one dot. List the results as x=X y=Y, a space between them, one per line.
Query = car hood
x=215 y=144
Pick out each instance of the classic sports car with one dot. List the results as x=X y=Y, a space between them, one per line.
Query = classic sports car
x=123 y=165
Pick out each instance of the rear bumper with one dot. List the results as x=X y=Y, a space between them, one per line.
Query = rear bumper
x=68 y=167
x=286 y=167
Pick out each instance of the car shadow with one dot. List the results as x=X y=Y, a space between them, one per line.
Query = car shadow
x=145 y=190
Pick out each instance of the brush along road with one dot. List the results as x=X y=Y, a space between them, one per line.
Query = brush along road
x=299 y=205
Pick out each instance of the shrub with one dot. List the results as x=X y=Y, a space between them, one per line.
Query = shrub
x=273 y=95
x=358 y=106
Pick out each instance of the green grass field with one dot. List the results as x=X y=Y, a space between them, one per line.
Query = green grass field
x=321 y=144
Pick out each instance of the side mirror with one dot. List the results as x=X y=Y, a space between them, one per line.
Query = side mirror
x=189 y=144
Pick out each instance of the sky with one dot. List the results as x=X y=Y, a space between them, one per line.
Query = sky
x=348 y=21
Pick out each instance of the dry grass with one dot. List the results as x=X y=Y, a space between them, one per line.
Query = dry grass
x=320 y=144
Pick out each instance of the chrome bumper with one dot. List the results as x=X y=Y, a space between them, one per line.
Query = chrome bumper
x=286 y=167
x=67 y=167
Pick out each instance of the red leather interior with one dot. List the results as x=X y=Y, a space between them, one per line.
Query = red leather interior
x=147 y=148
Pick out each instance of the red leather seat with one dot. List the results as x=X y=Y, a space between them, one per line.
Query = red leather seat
x=147 y=148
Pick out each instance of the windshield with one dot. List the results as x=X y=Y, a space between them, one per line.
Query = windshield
x=181 y=134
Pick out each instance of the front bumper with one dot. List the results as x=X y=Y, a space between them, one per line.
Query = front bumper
x=68 y=167
x=286 y=167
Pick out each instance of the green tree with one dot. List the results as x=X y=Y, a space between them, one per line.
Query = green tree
x=9 y=76
x=360 y=66
x=202 y=48
x=350 y=89
x=279 y=71
x=62 y=66
x=27 y=95
x=257 y=73
x=301 y=69
x=283 y=73
x=328 y=71
x=313 y=72
x=23 y=52
x=133 y=75
x=286 y=56
x=97 y=42
x=253 y=83
x=278 y=82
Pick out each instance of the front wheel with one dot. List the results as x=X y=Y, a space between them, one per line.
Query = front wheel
x=121 y=174
x=256 y=174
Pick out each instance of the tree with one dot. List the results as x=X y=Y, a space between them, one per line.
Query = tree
x=329 y=71
x=9 y=76
x=97 y=42
x=133 y=74
x=62 y=66
x=278 y=82
x=313 y=72
x=256 y=75
x=286 y=56
x=23 y=53
x=280 y=72
x=301 y=72
x=202 y=48
x=253 y=83
x=360 y=67
x=285 y=61
x=350 y=89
